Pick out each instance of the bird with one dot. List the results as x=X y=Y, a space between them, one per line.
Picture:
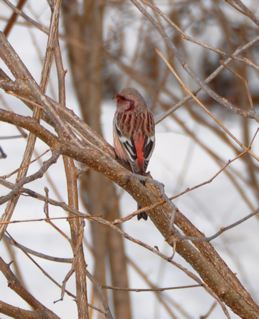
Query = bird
x=133 y=132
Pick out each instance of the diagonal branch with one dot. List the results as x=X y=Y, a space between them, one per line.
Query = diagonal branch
x=15 y=285
x=200 y=254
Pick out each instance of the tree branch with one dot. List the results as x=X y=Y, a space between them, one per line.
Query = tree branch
x=15 y=285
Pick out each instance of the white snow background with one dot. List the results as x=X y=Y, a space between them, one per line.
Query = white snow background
x=209 y=208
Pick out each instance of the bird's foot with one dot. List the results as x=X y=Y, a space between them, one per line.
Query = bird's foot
x=147 y=178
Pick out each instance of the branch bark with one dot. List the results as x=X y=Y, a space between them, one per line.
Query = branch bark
x=200 y=254
x=15 y=285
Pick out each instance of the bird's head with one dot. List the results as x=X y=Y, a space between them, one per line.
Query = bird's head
x=129 y=99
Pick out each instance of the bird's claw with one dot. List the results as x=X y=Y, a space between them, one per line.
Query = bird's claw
x=141 y=178
x=148 y=179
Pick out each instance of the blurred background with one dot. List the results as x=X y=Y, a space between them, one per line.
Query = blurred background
x=106 y=46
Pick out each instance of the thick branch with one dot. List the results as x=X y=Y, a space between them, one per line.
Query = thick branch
x=200 y=254
x=203 y=258
x=19 y=313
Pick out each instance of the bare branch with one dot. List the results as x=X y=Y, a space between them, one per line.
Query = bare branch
x=15 y=285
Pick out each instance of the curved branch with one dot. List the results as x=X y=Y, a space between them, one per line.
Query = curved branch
x=200 y=254
x=15 y=285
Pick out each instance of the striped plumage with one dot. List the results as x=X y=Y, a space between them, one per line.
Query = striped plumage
x=134 y=132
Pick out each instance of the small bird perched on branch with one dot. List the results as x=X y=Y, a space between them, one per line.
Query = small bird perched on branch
x=133 y=132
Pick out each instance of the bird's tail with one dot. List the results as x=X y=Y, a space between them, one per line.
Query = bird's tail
x=142 y=214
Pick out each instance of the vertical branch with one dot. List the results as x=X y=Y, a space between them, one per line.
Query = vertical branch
x=76 y=224
x=86 y=65
x=77 y=229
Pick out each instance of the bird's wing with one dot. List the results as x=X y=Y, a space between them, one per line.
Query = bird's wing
x=148 y=149
x=138 y=147
x=127 y=144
